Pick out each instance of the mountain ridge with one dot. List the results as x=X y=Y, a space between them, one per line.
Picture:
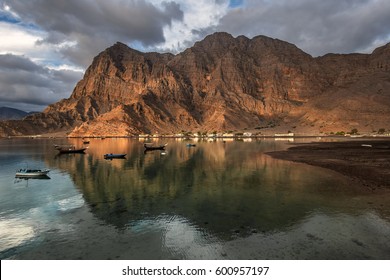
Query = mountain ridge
x=222 y=83
x=8 y=113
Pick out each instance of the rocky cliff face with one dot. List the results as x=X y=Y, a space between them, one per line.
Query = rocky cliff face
x=222 y=83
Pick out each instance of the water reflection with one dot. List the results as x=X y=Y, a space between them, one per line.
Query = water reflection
x=13 y=232
x=217 y=200
x=228 y=189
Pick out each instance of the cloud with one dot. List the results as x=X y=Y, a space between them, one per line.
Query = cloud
x=31 y=87
x=90 y=26
x=198 y=15
x=79 y=30
x=317 y=27
x=16 y=38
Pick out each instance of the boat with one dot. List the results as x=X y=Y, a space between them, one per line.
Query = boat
x=149 y=147
x=111 y=156
x=191 y=145
x=70 y=149
x=32 y=173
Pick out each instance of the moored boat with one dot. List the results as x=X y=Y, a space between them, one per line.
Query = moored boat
x=70 y=149
x=31 y=173
x=112 y=156
x=190 y=145
x=149 y=146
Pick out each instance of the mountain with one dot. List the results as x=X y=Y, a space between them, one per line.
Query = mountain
x=222 y=83
x=7 y=113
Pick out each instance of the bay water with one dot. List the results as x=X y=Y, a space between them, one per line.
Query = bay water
x=217 y=200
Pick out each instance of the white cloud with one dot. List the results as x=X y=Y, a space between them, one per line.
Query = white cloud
x=16 y=39
x=198 y=15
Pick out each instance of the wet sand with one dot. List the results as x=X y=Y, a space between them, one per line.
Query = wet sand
x=367 y=162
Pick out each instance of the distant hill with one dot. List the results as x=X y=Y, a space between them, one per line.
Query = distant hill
x=7 y=113
x=221 y=84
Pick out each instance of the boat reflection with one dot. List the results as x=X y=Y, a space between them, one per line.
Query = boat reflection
x=26 y=179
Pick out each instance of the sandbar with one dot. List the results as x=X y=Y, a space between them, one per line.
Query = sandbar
x=367 y=162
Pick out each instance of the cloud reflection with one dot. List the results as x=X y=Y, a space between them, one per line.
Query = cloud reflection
x=14 y=232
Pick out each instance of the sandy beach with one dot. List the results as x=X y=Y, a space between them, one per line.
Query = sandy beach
x=367 y=162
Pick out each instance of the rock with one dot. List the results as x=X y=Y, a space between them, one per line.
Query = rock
x=221 y=83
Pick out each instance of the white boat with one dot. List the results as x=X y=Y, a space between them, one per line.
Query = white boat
x=31 y=173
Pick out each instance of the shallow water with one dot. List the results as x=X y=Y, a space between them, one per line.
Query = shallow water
x=218 y=200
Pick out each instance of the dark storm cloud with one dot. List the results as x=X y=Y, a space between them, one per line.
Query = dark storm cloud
x=318 y=27
x=94 y=25
x=11 y=62
x=28 y=86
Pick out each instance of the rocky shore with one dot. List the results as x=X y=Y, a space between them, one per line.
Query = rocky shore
x=367 y=162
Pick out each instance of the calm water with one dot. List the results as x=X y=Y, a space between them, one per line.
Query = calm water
x=213 y=201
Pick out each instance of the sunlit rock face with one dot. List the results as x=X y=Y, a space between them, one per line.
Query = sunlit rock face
x=222 y=83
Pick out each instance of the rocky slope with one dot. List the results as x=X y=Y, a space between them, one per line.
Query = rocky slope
x=222 y=83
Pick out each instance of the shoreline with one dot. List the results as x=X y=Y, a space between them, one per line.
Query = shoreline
x=365 y=162
x=261 y=136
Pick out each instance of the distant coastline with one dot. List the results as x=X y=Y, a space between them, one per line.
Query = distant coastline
x=276 y=136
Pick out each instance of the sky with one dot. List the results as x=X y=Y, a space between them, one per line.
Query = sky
x=46 y=45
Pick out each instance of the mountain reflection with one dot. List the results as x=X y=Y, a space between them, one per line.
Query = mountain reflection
x=228 y=189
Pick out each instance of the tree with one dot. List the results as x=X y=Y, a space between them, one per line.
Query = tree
x=354 y=131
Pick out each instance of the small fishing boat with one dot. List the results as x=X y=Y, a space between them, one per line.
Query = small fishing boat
x=31 y=173
x=149 y=147
x=191 y=145
x=112 y=156
x=70 y=149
